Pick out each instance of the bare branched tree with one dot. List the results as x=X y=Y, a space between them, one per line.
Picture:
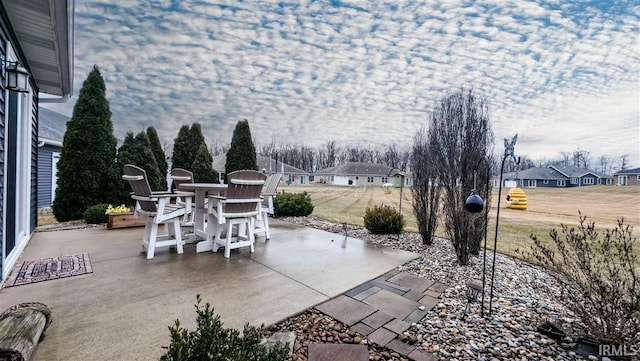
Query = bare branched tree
x=426 y=190
x=462 y=136
x=624 y=162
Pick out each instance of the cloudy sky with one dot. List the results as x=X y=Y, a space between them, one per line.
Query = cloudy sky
x=564 y=75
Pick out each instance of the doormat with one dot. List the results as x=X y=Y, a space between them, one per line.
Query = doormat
x=47 y=269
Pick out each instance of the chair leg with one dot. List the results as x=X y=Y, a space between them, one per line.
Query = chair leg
x=251 y=226
x=146 y=235
x=227 y=247
x=153 y=234
x=178 y=235
x=265 y=219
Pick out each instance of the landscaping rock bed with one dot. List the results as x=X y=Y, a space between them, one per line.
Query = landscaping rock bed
x=523 y=298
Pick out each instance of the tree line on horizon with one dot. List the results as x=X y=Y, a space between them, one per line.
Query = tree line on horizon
x=87 y=172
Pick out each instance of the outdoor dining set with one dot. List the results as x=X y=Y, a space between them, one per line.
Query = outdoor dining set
x=212 y=215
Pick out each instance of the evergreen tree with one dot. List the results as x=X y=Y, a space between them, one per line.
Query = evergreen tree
x=137 y=151
x=125 y=156
x=196 y=139
x=158 y=153
x=87 y=173
x=242 y=152
x=202 y=167
x=181 y=157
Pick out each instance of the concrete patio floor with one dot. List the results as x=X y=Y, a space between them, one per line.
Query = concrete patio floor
x=122 y=310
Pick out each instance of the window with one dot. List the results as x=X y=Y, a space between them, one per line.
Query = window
x=532 y=183
x=384 y=180
x=369 y=179
x=561 y=183
x=575 y=180
x=638 y=177
x=546 y=181
x=610 y=181
x=588 y=180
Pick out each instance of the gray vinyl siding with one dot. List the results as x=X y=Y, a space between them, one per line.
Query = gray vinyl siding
x=45 y=174
x=7 y=208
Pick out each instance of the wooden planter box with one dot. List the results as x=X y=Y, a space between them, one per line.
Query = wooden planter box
x=125 y=220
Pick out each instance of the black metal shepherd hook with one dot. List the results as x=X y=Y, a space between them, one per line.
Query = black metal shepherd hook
x=475 y=204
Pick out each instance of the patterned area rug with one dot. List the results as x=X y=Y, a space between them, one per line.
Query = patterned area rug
x=46 y=269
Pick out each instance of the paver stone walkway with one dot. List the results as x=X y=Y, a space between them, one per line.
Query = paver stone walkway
x=382 y=309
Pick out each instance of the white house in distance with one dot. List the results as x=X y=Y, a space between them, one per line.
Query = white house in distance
x=355 y=174
x=290 y=175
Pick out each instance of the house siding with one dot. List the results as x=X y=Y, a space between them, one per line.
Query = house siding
x=11 y=244
x=45 y=174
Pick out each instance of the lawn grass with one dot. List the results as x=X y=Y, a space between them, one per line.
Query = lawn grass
x=547 y=208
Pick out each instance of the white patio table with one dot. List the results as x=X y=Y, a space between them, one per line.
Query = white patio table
x=202 y=190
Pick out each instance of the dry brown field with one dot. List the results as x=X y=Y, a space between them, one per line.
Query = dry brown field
x=547 y=208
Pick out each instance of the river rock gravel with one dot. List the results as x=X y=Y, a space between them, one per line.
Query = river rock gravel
x=524 y=296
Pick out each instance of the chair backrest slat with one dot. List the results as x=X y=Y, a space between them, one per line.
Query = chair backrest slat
x=270 y=187
x=137 y=178
x=180 y=176
x=271 y=184
x=243 y=184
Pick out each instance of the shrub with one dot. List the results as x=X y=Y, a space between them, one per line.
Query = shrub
x=598 y=278
x=293 y=204
x=383 y=219
x=211 y=341
x=96 y=214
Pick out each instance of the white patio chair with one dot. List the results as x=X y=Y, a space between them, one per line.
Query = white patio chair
x=268 y=193
x=185 y=198
x=238 y=210
x=158 y=209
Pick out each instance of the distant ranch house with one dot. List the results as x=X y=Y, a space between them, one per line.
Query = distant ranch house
x=356 y=174
x=290 y=175
x=627 y=177
x=50 y=135
x=554 y=177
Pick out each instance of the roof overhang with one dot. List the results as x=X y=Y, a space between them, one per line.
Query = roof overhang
x=44 y=29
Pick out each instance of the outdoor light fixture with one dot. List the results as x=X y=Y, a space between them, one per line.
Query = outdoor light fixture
x=474 y=204
x=17 y=76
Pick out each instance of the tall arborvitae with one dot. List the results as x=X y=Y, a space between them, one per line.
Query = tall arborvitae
x=87 y=173
x=137 y=151
x=242 y=152
x=202 y=167
x=181 y=157
x=158 y=153
x=196 y=139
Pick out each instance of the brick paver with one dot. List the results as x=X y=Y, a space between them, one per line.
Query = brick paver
x=337 y=352
x=380 y=310
x=346 y=309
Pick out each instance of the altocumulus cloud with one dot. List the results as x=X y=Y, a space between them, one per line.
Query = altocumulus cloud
x=563 y=75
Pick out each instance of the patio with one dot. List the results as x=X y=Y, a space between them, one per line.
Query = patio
x=122 y=310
